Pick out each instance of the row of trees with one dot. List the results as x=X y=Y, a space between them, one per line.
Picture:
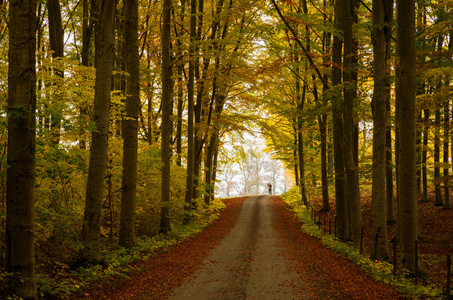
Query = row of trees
x=332 y=80
x=349 y=67
x=156 y=75
x=158 y=84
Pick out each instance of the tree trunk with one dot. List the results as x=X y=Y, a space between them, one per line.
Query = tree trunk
x=99 y=141
x=20 y=223
x=446 y=155
x=295 y=155
x=338 y=138
x=179 y=114
x=87 y=33
x=448 y=199
x=388 y=19
x=198 y=146
x=437 y=189
x=379 y=108
x=209 y=168
x=56 y=38
x=391 y=219
x=350 y=92
x=190 y=109
x=418 y=144
x=426 y=114
x=407 y=189
x=166 y=131
x=180 y=85
x=322 y=120
x=130 y=128
x=300 y=96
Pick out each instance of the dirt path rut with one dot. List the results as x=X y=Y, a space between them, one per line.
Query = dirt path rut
x=247 y=264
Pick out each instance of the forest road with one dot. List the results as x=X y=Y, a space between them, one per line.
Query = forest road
x=248 y=263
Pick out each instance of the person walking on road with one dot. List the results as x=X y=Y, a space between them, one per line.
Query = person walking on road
x=269 y=186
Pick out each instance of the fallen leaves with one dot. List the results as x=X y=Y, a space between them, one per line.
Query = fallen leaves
x=327 y=276
x=323 y=274
x=168 y=269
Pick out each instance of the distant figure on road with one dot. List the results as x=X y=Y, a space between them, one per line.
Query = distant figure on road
x=269 y=186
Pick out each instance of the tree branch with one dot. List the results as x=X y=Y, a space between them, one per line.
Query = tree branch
x=310 y=59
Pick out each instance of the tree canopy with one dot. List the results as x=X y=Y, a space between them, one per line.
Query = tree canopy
x=143 y=109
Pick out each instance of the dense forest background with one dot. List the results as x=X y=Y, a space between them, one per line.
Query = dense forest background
x=137 y=113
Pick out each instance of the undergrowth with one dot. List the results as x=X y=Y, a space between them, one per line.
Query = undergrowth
x=379 y=270
x=116 y=262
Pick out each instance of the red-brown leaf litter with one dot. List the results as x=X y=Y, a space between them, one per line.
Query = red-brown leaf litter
x=328 y=276
x=168 y=269
x=435 y=239
x=324 y=274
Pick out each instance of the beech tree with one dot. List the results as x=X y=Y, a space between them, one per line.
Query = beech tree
x=379 y=106
x=20 y=223
x=130 y=127
x=56 y=38
x=190 y=107
x=91 y=231
x=167 y=94
x=350 y=94
x=407 y=181
x=338 y=134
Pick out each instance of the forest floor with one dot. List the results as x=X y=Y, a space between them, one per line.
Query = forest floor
x=254 y=250
x=435 y=240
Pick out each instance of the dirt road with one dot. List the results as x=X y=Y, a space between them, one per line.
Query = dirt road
x=247 y=264
x=255 y=250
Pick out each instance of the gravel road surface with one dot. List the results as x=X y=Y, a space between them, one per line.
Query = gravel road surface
x=248 y=263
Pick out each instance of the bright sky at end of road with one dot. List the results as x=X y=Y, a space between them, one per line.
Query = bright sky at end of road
x=246 y=169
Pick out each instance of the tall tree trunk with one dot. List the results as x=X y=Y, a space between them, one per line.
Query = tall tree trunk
x=214 y=163
x=295 y=155
x=212 y=147
x=448 y=199
x=180 y=84
x=166 y=131
x=407 y=189
x=300 y=98
x=300 y=109
x=379 y=218
x=418 y=144
x=190 y=109
x=322 y=121
x=446 y=155
x=352 y=181
x=198 y=108
x=424 y=130
x=338 y=135
x=130 y=128
x=388 y=19
x=209 y=168
x=20 y=223
x=437 y=187
x=91 y=231
x=87 y=33
x=426 y=117
x=179 y=114
x=56 y=38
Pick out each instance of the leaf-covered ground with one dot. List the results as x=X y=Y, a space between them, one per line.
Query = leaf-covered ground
x=326 y=275
x=156 y=277
x=330 y=276
x=436 y=237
